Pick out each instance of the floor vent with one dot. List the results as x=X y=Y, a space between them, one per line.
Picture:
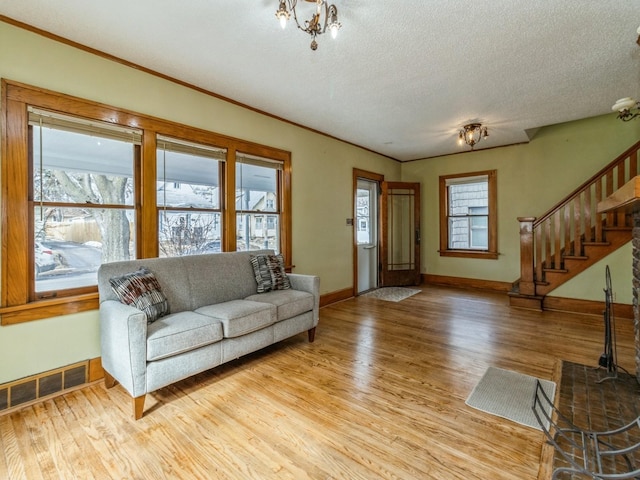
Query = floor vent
x=28 y=390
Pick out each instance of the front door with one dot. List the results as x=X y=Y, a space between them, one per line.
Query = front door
x=366 y=228
x=400 y=241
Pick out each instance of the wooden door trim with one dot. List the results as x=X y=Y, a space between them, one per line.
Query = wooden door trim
x=384 y=247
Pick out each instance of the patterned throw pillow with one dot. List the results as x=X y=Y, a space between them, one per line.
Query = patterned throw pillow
x=142 y=290
x=270 y=273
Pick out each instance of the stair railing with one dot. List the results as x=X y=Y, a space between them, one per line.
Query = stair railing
x=566 y=228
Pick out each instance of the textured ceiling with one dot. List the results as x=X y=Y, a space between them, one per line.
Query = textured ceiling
x=401 y=78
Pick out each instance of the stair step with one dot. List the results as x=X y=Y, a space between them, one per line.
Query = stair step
x=555 y=270
x=622 y=229
x=575 y=257
x=596 y=244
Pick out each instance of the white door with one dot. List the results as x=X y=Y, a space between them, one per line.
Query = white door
x=366 y=227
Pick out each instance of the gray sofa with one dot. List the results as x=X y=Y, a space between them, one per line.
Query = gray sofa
x=215 y=315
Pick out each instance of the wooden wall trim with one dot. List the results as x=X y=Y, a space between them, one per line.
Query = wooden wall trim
x=589 y=307
x=460 y=282
x=575 y=305
x=337 y=296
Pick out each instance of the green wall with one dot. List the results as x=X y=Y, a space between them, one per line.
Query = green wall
x=532 y=178
x=321 y=178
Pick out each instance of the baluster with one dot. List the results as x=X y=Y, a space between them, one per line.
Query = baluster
x=588 y=234
x=599 y=216
x=547 y=243
x=621 y=216
x=539 y=244
x=577 y=226
x=567 y=230
x=609 y=190
x=557 y=254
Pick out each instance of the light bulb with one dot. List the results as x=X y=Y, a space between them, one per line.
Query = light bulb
x=334 y=30
x=282 y=15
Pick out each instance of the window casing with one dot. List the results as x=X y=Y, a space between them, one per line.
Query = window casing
x=200 y=213
x=468 y=219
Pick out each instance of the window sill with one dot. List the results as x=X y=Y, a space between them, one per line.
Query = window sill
x=48 y=308
x=469 y=254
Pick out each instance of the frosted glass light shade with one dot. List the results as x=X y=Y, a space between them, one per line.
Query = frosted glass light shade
x=625 y=103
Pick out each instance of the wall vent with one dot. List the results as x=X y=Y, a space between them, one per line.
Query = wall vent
x=28 y=390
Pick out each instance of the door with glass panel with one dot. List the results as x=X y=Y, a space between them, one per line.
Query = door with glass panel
x=400 y=241
x=366 y=227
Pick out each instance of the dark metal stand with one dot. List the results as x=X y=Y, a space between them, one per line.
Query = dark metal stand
x=609 y=358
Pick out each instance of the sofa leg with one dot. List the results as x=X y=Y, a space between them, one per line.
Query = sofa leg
x=312 y=334
x=138 y=407
x=109 y=381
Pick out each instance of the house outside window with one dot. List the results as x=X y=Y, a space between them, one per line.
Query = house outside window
x=468 y=215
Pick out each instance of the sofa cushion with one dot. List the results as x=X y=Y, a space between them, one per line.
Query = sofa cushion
x=239 y=317
x=270 y=273
x=288 y=303
x=181 y=332
x=142 y=290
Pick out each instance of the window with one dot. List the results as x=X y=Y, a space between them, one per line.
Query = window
x=84 y=183
x=468 y=226
x=189 y=196
x=257 y=202
x=81 y=198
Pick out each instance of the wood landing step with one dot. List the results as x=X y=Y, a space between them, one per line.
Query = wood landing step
x=529 y=302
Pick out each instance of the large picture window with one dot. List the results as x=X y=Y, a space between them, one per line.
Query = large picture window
x=468 y=224
x=84 y=184
x=81 y=197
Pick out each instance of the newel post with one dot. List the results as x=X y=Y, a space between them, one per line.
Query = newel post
x=527 y=282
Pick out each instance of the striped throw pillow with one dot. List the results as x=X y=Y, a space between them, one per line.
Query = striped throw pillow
x=269 y=272
x=142 y=290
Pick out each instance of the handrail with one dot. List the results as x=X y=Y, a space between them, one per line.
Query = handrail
x=623 y=156
x=565 y=231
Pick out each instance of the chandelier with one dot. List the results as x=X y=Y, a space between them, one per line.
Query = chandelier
x=624 y=106
x=471 y=134
x=325 y=17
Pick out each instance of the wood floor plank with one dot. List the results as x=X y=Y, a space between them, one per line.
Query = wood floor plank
x=380 y=394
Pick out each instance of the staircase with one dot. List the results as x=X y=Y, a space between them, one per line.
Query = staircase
x=572 y=236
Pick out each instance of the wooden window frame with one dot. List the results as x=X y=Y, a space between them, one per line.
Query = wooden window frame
x=492 y=251
x=16 y=274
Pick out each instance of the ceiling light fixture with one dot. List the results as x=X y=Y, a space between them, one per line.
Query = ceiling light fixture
x=624 y=105
x=325 y=17
x=471 y=134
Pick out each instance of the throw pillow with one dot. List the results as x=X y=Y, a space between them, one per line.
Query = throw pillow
x=142 y=290
x=269 y=272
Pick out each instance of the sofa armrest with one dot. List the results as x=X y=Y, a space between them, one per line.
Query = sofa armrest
x=123 y=340
x=311 y=284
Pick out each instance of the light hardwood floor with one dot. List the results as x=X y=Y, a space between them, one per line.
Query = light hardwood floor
x=380 y=394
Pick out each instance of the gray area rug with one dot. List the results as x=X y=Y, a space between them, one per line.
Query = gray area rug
x=509 y=395
x=392 y=294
